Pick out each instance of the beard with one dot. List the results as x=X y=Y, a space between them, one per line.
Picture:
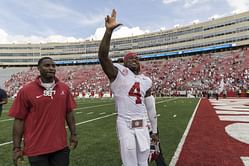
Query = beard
x=134 y=69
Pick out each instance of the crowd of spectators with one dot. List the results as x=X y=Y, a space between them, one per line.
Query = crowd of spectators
x=225 y=73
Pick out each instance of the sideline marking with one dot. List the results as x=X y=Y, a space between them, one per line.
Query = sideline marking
x=180 y=145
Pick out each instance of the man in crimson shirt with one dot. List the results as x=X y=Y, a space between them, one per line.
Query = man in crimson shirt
x=40 y=111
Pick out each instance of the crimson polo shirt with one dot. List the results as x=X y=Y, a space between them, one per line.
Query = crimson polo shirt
x=44 y=116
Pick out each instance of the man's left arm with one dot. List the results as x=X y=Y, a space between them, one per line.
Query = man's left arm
x=152 y=115
x=72 y=127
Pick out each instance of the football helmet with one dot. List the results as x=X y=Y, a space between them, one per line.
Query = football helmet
x=154 y=151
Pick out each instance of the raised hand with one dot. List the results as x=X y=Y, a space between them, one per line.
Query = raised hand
x=110 y=21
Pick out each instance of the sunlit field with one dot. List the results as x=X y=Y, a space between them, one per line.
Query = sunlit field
x=96 y=130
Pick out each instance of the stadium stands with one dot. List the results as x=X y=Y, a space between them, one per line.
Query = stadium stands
x=196 y=75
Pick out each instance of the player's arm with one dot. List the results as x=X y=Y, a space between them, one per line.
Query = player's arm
x=110 y=70
x=17 y=134
x=151 y=110
x=72 y=127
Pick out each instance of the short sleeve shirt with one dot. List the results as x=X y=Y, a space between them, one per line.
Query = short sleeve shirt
x=44 y=114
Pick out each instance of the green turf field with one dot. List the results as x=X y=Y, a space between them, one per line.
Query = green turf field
x=96 y=130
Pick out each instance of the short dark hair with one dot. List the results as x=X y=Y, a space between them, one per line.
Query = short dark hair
x=40 y=60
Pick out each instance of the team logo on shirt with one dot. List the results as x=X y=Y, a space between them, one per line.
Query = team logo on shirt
x=48 y=92
x=62 y=93
x=125 y=72
x=39 y=96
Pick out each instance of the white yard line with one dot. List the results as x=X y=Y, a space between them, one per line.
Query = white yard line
x=163 y=101
x=87 y=121
x=89 y=113
x=93 y=106
x=6 y=143
x=180 y=145
x=4 y=120
x=91 y=120
x=102 y=113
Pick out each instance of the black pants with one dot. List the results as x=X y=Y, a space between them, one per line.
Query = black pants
x=58 y=158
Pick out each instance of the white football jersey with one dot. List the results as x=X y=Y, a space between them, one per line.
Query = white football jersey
x=129 y=91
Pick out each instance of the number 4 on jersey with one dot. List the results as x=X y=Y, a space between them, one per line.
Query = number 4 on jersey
x=135 y=91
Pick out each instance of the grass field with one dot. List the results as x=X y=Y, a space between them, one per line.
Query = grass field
x=96 y=130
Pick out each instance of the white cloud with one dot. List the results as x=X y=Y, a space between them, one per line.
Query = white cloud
x=3 y=36
x=125 y=31
x=239 y=6
x=177 y=26
x=6 y=38
x=169 y=1
x=195 y=21
x=121 y=32
x=97 y=35
x=216 y=16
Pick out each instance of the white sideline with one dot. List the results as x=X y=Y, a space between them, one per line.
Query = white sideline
x=179 y=147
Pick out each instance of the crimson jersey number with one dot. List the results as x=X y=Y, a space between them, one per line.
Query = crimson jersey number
x=135 y=91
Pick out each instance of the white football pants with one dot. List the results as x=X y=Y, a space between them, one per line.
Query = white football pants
x=134 y=144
